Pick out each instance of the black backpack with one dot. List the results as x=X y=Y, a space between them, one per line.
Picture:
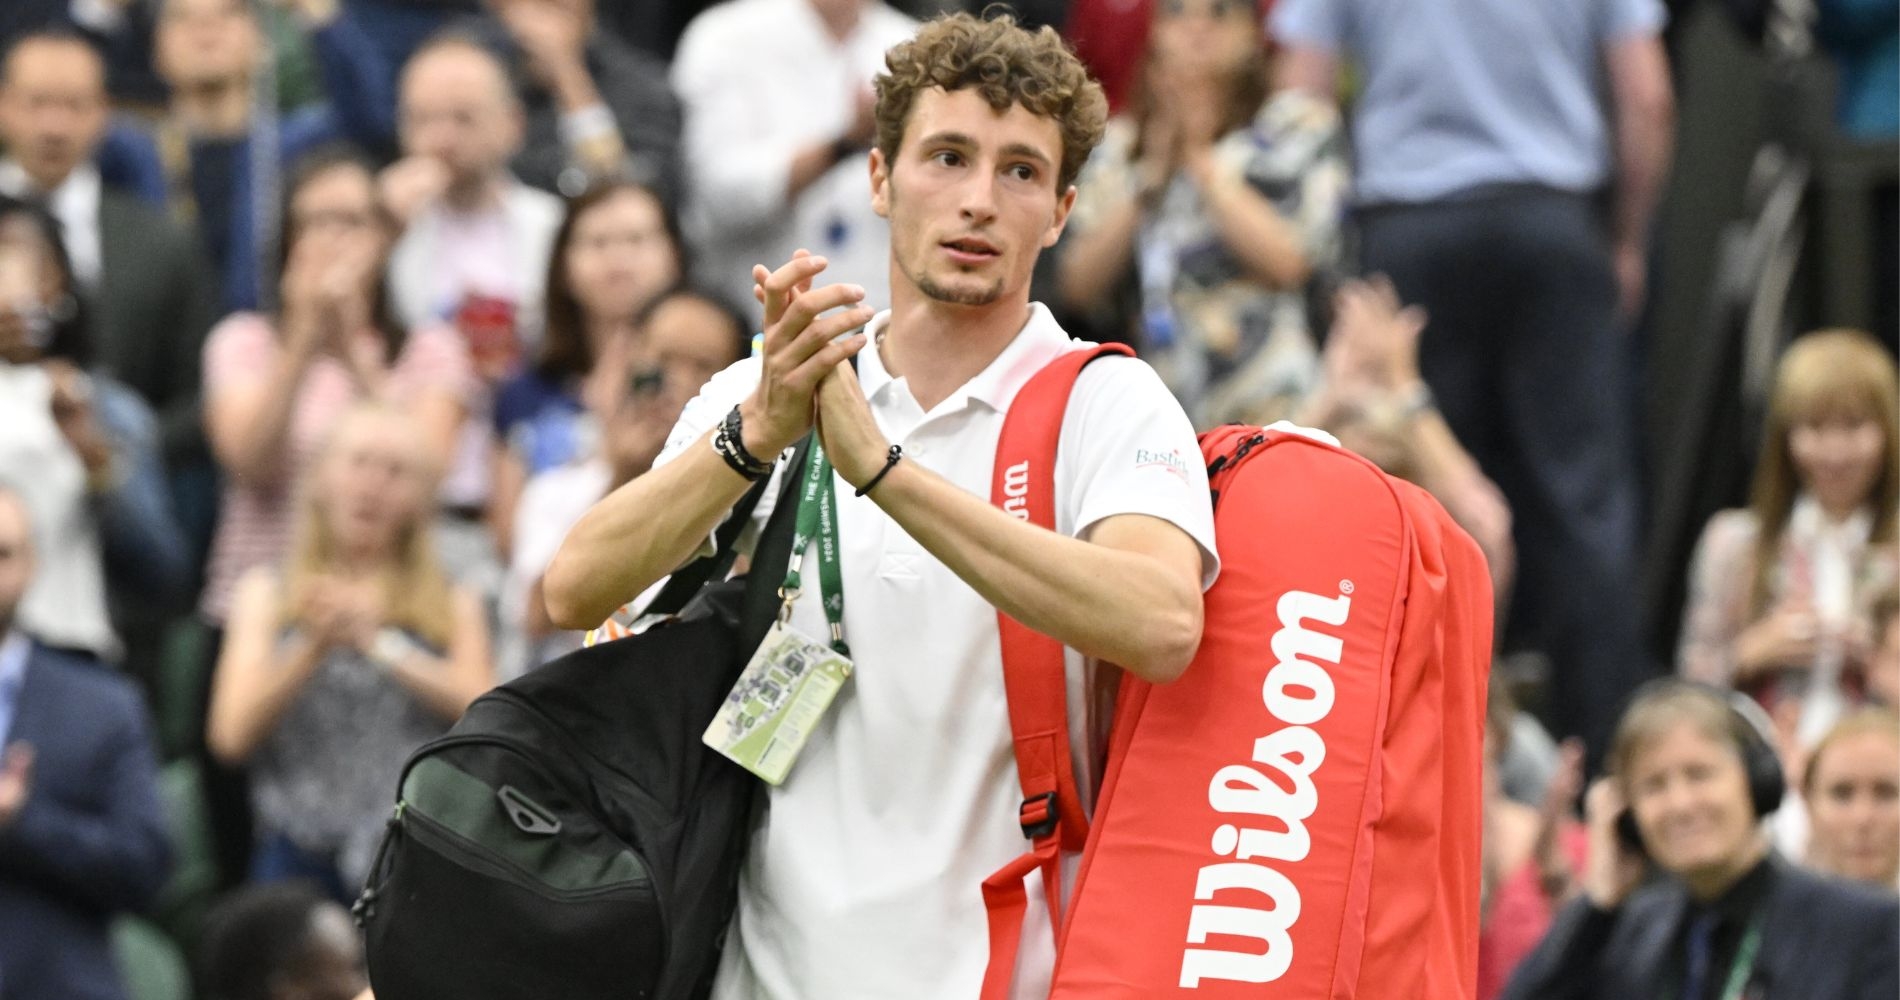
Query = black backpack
x=571 y=837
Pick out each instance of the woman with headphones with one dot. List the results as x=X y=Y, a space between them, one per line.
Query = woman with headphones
x=1682 y=899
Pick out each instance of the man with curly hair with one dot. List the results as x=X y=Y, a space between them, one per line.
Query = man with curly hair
x=863 y=879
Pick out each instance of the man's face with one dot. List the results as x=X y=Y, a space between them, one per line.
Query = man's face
x=971 y=197
x=457 y=108
x=16 y=556
x=52 y=107
x=204 y=42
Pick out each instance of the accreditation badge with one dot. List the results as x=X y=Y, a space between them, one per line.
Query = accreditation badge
x=777 y=703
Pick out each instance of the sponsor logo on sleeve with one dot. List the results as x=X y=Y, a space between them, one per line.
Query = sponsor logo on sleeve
x=1171 y=461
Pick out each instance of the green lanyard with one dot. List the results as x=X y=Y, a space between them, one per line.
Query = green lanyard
x=1742 y=967
x=818 y=521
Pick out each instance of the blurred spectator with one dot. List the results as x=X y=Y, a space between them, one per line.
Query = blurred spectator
x=1372 y=398
x=778 y=119
x=283 y=941
x=210 y=53
x=1725 y=917
x=1531 y=853
x=1852 y=789
x=81 y=451
x=1204 y=213
x=275 y=385
x=475 y=252
x=82 y=837
x=150 y=297
x=596 y=107
x=1484 y=133
x=120 y=29
x=617 y=249
x=683 y=339
x=1780 y=591
x=351 y=654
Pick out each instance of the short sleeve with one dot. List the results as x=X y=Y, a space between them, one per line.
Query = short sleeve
x=239 y=351
x=1128 y=448
x=434 y=359
x=1623 y=19
x=1319 y=24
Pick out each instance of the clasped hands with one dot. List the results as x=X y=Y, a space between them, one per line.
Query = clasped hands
x=806 y=379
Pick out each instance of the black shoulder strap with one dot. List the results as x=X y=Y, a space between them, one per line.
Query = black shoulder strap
x=688 y=580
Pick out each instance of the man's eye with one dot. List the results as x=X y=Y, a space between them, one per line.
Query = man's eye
x=947 y=158
x=1023 y=172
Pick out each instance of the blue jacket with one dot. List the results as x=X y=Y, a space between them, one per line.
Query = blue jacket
x=90 y=841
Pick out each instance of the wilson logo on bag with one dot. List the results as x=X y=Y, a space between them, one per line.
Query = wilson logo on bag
x=1298 y=815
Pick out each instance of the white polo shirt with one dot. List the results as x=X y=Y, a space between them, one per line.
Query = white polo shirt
x=863 y=883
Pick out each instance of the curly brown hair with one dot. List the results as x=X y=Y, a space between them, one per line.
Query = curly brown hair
x=1004 y=63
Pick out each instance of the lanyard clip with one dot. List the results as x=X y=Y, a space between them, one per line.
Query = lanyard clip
x=786 y=596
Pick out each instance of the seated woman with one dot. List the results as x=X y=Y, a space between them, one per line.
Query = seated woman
x=351 y=655
x=81 y=451
x=618 y=249
x=1852 y=789
x=1203 y=215
x=1780 y=591
x=274 y=384
x=1694 y=769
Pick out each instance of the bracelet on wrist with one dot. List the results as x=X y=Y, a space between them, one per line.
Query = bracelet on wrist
x=729 y=441
x=843 y=148
x=890 y=462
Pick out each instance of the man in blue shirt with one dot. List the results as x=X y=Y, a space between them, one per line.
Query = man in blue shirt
x=1488 y=133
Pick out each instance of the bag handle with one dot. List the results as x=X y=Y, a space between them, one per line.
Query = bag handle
x=1023 y=483
x=690 y=579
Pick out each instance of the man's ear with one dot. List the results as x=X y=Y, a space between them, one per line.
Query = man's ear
x=880 y=183
x=1063 y=205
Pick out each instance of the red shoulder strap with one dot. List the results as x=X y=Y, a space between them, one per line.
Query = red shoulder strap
x=1024 y=484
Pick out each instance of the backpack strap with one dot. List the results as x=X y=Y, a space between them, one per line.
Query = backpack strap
x=1024 y=483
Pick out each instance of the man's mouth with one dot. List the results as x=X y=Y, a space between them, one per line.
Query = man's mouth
x=971 y=248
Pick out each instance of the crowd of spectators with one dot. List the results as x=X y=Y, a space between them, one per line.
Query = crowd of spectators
x=322 y=321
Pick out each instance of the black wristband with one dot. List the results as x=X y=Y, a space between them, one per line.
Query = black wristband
x=843 y=148
x=729 y=442
x=897 y=452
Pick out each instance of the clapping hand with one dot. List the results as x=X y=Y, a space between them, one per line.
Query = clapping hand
x=16 y=781
x=805 y=341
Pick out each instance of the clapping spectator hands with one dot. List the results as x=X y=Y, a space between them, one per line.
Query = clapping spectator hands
x=1373 y=345
x=552 y=34
x=339 y=614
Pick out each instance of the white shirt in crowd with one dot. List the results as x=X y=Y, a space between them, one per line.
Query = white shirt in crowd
x=445 y=256
x=75 y=203
x=863 y=882
x=66 y=603
x=761 y=80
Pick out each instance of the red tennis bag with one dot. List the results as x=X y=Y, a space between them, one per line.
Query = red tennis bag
x=1298 y=815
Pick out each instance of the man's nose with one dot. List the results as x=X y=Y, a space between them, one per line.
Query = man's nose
x=977 y=196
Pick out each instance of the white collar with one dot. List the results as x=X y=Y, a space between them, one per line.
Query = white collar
x=1808 y=523
x=1035 y=345
x=78 y=194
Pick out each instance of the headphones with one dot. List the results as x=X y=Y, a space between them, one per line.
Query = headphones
x=1749 y=729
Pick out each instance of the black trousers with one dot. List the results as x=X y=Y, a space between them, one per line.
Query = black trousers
x=1531 y=367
